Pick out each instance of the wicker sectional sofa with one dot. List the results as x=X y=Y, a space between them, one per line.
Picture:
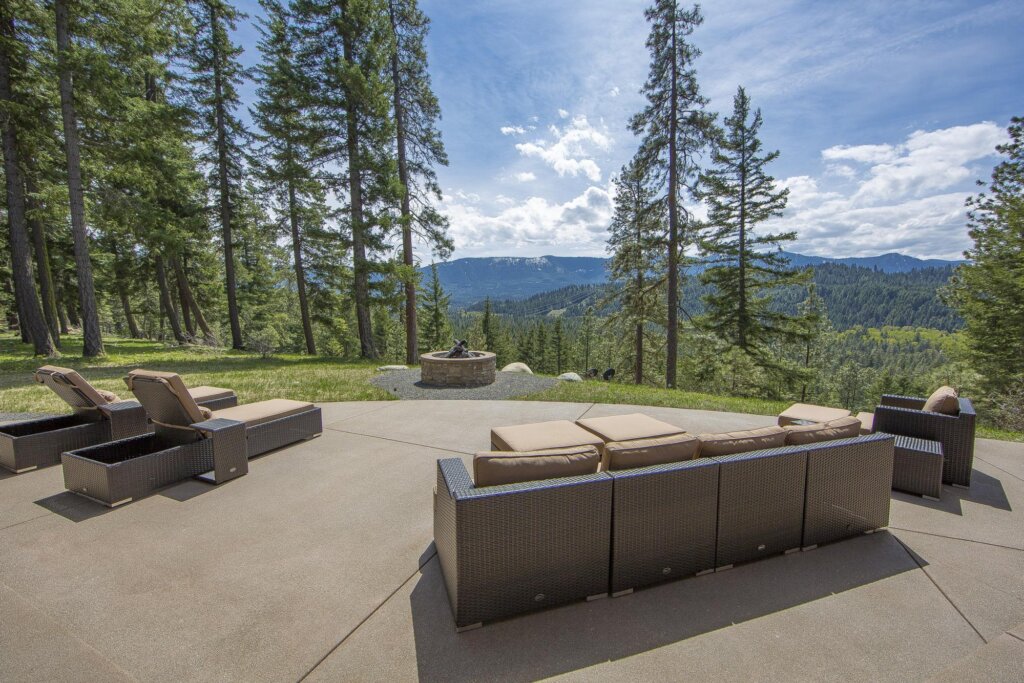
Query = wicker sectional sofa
x=513 y=548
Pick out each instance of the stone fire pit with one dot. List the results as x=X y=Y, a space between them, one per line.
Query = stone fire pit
x=475 y=371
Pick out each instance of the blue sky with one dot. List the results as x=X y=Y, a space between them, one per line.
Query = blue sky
x=885 y=114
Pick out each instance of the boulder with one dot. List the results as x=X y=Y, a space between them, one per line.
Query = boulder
x=389 y=368
x=517 y=367
x=570 y=377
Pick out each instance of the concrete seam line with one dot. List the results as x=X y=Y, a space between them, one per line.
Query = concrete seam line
x=589 y=408
x=998 y=468
x=407 y=443
x=939 y=588
x=957 y=538
x=367 y=618
x=387 y=404
x=26 y=521
x=1014 y=635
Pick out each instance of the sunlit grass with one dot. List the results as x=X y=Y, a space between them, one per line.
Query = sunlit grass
x=253 y=378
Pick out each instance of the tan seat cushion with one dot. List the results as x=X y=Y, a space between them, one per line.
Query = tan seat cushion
x=805 y=412
x=867 y=422
x=542 y=436
x=628 y=427
x=205 y=393
x=843 y=428
x=943 y=400
x=173 y=405
x=491 y=468
x=659 y=450
x=253 y=414
x=73 y=388
x=728 y=443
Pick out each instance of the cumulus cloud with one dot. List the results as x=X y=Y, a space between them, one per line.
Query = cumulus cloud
x=563 y=114
x=534 y=226
x=512 y=130
x=909 y=198
x=614 y=92
x=570 y=152
x=525 y=177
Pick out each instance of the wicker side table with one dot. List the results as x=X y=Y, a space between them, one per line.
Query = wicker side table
x=917 y=466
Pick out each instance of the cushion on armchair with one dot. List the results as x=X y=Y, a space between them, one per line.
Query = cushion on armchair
x=943 y=400
x=843 y=428
x=491 y=468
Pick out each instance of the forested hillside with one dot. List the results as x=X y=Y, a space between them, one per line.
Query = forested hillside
x=853 y=296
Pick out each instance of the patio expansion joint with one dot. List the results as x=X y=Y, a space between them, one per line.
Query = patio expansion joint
x=367 y=617
x=408 y=443
x=999 y=468
x=26 y=521
x=387 y=404
x=84 y=643
x=939 y=588
x=1014 y=635
x=584 y=413
x=957 y=538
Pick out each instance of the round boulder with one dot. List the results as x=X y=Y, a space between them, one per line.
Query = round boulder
x=570 y=377
x=517 y=367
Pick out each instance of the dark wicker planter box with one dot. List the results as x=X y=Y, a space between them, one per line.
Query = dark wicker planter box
x=120 y=471
x=38 y=443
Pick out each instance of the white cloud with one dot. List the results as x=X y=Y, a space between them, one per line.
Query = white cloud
x=534 y=226
x=911 y=199
x=569 y=153
x=614 y=92
x=525 y=177
x=512 y=130
x=563 y=114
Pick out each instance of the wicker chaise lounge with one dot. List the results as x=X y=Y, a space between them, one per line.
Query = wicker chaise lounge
x=99 y=416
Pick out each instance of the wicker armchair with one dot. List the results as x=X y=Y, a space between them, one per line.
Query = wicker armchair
x=903 y=415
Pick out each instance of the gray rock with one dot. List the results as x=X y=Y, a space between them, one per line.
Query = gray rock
x=570 y=377
x=390 y=368
x=517 y=367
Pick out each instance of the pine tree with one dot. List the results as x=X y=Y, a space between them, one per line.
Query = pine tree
x=586 y=338
x=216 y=74
x=989 y=290
x=418 y=147
x=636 y=240
x=558 y=345
x=290 y=143
x=675 y=129
x=816 y=337
x=435 y=329
x=745 y=267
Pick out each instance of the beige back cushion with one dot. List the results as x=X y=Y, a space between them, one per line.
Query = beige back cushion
x=73 y=388
x=728 y=443
x=943 y=400
x=491 y=468
x=659 y=450
x=843 y=428
x=165 y=397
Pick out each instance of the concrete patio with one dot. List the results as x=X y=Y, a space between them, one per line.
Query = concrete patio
x=319 y=564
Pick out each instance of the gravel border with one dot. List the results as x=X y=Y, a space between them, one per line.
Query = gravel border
x=406 y=385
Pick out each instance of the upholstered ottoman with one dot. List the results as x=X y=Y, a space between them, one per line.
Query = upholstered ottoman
x=628 y=427
x=806 y=413
x=542 y=436
x=867 y=422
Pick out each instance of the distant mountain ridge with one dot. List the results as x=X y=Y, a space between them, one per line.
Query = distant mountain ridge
x=471 y=280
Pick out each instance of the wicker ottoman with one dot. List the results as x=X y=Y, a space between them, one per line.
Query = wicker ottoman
x=917 y=467
x=542 y=436
x=806 y=413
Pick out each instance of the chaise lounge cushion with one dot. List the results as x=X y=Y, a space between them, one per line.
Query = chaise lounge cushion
x=843 y=428
x=542 y=436
x=728 y=443
x=660 y=450
x=165 y=397
x=73 y=388
x=943 y=400
x=253 y=414
x=205 y=393
x=628 y=427
x=492 y=468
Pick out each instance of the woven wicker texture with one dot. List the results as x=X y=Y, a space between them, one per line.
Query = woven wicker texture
x=902 y=415
x=917 y=466
x=760 y=503
x=522 y=547
x=664 y=522
x=847 y=488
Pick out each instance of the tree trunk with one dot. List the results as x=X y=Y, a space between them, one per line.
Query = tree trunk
x=189 y=300
x=411 y=328
x=186 y=317
x=300 y=273
x=62 y=317
x=226 y=210
x=672 y=341
x=743 y=317
x=166 y=302
x=43 y=271
x=32 y=321
x=361 y=280
x=91 y=337
x=133 y=328
x=69 y=305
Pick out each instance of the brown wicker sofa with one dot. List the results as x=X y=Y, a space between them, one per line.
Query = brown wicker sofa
x=187 y=441
x=98 y=417
x=518 y=546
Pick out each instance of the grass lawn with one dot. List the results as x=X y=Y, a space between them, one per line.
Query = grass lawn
x=253 y=378
x=307 y=378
